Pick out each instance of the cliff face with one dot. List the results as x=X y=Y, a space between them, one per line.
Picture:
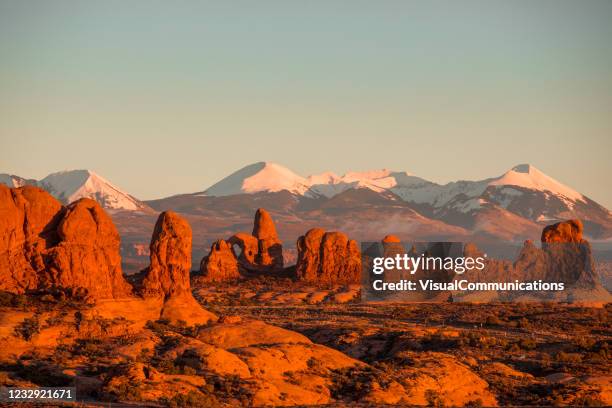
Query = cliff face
x=44 y=245
x=87 y=254
x=328 y=258
x=28 y=226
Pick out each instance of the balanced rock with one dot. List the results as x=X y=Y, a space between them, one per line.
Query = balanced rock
x=87 y=254
x=221 y=264
x=328 y=258
x=168 y=275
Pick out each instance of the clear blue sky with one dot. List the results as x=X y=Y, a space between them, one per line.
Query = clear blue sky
x=164 y=97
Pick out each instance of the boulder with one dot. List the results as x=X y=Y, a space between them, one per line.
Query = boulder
x=328 y=258
x=221 y=264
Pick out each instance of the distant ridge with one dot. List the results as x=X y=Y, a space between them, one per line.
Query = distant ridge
x=69 y=186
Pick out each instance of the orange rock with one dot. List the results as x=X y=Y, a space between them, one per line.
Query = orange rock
x=270 y=250
x=170 y=256
x=248 y=248
x=221 y=264
x=43 y=244
x=328 y=258
x=168 y=275
x=28 y=220
x=565 y=231
x=87 y=255
x=262 y=251
x=391 y=239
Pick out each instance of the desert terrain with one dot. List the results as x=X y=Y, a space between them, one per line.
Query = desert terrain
x=248 y=329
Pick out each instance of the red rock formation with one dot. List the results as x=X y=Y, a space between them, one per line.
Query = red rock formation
x=28 y=220
x=269 y=250
x=168 y=275
x=392 y=247
x=565 y=231
x=570 y=258
x=328 y=258
x=262 y=251
x=388 y=239
x=247 y=246
x=170 y=254
x=221 y=264
x=87 y=255
x=44 y=245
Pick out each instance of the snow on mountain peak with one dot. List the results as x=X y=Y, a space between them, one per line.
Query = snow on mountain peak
x=527 y=176
x=14 y=181
x=70 y=185
x=258 y=177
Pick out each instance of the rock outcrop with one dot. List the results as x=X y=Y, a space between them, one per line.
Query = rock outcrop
x=170 y=254
x=87 y=254
x=45 y=245
x=247 y=246
x=243 y=253
x=269 y=247
x=262 y=251
x=570 y=258
x=566 y=231
x=565 y=257
x=221 y=264
x=328 y=258
x=167 y=276
x=28 y=226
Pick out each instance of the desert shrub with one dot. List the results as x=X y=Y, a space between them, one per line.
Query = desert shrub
x=92 y=348
x=43 y=375
x=28 y=328
x=434 y=399
x=125 y=391
x=192 y=399
x=523 y=323
x=477 y=403
x=568 y=357
x=588 y=401
x=493 y=320
x=527 y=344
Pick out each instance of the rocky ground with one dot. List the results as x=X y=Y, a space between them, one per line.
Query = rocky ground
x=283 y=343
x=247 y=330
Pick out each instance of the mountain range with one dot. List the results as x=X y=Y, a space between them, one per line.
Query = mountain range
x=511 y=207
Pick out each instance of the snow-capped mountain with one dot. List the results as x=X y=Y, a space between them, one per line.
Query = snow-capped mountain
x=12 y=180
x=259 y=177
x=523 y=190
x=68 y=186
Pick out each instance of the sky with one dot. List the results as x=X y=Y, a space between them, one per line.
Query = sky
x=169 y=97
